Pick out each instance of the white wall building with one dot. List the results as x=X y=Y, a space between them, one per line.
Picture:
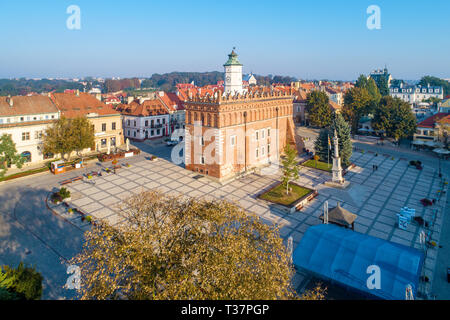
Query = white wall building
x=25 y=119
x=415 y=94
x=147 y=120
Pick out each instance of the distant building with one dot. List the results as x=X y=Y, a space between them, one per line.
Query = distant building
x=335 y=96
x=26 y=119
x=299 y=107
x=415 y=94
x=250 y=79
x=378 y=74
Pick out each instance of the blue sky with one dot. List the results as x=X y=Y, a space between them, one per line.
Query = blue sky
x=325 y=39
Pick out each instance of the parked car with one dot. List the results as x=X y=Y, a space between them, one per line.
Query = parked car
x=171 y=143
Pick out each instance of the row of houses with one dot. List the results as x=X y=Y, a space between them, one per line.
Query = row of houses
x=26 y=118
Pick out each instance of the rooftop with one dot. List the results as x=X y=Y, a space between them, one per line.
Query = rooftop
x=26 y=105
x=73 y=105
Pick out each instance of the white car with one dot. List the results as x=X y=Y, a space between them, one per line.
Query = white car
x=172 y=143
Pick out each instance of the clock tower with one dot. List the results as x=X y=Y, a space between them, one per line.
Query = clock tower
x=233 y=74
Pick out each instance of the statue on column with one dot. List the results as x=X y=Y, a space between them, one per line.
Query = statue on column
x=337 y=169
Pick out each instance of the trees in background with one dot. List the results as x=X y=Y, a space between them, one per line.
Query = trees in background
x=22 y=283
x=322 y=145
x=395 y=118
x=178 y=248
x=319 y=111
x=434 y=81
x=68 y=135
x=8 y=155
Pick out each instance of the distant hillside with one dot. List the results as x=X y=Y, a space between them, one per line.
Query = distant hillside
x=168 y=81
x=24 y=86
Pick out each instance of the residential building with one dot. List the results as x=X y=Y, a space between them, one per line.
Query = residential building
x=299 y=106
x=429 y=129
x=175 y=107
x=107 y=122
x=145 y=119
x=335 y=96
x=414 y=94
x=250 y=79
x=232 y=133
x=25 y=119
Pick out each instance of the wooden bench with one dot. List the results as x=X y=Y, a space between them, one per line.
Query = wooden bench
x=77 y=179
x=63 y=183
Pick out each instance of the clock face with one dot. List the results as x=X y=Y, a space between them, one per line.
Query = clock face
x=228 y=79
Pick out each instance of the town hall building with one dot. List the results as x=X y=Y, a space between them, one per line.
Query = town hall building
x=236 y=131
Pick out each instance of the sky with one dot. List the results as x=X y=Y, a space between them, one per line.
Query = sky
x=325 y=39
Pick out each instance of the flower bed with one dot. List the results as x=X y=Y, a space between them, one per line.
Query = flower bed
x=295 y=200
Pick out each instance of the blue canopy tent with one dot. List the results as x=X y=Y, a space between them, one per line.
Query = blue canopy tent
x=342 y=256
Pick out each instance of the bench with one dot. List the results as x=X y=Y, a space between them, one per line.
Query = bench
x=63 y=183
x=77 y=179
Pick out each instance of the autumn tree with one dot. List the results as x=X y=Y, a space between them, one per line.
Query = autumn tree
x=8 y=155
x=357 y=102
x=395 y=117
x=319 y=111
x=82 y=134
x=371 y=87
x=290 y=168
x=68 y=135
x=177 y=248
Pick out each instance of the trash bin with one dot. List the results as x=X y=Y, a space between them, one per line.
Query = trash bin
x=448 y=274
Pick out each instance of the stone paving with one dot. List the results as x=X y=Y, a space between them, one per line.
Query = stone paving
x=375 y=196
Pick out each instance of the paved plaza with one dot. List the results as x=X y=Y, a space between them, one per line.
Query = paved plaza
x=29 y=232
x=375 y=196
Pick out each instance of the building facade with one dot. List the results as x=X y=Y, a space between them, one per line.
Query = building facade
x=414 y=94
x=25 y=119
x=106 y=121
x=144 y=120
x=232 y=133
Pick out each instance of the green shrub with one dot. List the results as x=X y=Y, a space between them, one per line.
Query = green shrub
x=64 y=193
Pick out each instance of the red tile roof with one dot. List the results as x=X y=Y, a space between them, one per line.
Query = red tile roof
x=431 y=121
x=72 y=106
x=171 y=101
x=145 y=109
x=26 y=105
